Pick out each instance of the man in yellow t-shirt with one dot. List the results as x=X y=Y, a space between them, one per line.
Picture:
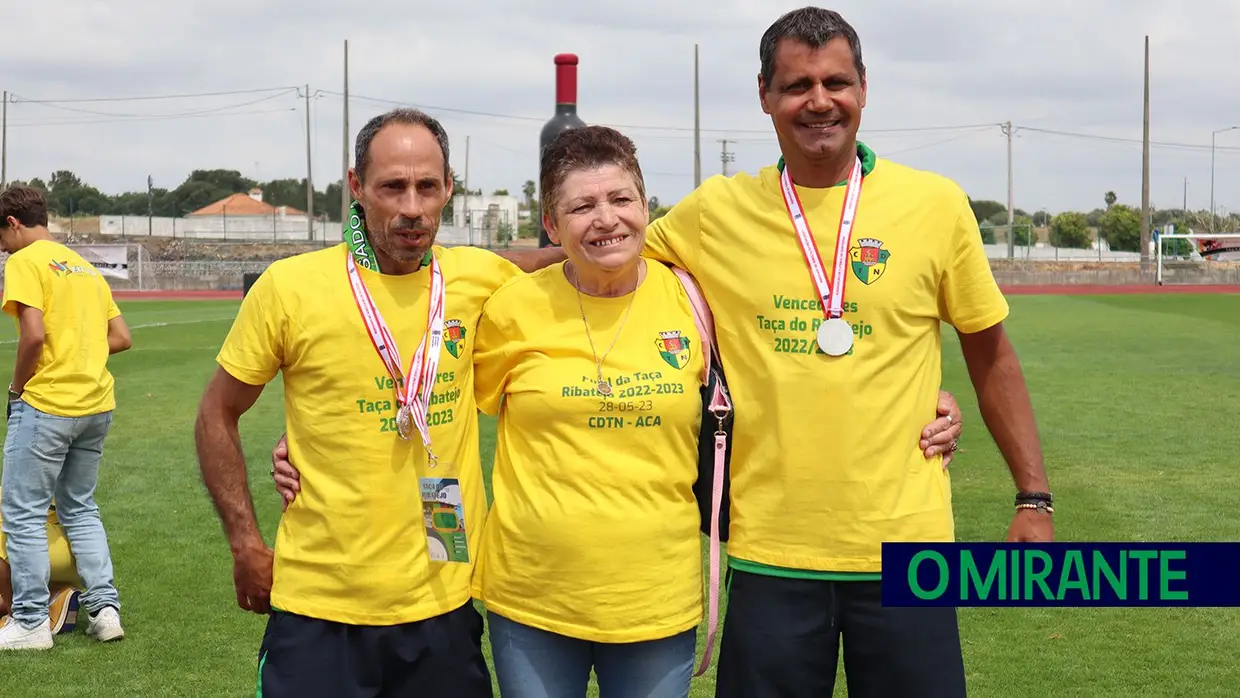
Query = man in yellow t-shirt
x=60 y=407
x=824 y=470
x=65 y=585
x=368 y=587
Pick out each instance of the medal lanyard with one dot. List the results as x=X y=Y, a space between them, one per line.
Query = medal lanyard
x=830 y=291
x=413 y=396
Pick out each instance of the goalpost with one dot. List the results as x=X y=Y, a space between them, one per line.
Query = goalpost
x=124 y=265
x=1202 y=248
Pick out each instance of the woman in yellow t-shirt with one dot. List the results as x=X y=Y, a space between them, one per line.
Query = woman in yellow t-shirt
x=591 y=554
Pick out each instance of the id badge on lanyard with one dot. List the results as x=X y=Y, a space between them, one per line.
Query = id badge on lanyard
x=443 y=509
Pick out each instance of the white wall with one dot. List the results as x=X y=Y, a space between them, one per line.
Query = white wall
x=219 y=227
x=260 y=229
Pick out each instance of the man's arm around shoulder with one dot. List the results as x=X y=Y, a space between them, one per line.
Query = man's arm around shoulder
x=222 y=464
x=1007 y=410
x=530 y=261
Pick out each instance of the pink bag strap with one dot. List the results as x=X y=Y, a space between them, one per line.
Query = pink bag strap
x=720 y=406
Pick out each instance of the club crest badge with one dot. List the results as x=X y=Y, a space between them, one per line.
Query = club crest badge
x=868 y=260
x=454 y=338
x=674 y=348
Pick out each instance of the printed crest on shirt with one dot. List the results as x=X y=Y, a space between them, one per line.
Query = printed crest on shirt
x=63 y=268
x=868 y=260
x=454 y=337
x=674 y=348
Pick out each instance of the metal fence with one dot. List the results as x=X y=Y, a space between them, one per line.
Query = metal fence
x=205 y=265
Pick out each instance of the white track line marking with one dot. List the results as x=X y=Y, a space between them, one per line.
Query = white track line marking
x=155 y=324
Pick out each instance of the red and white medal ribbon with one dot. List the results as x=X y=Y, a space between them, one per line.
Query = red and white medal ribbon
x=835 y=335
x=413 y=395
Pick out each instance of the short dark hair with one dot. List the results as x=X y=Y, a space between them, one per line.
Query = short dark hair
x=403 y=115
x=812 y=26
x=26 y=204
x=582 y=149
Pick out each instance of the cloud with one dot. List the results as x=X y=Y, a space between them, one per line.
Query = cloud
x=1057 y=65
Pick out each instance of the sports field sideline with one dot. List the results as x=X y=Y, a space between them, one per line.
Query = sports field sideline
x=1136 y=398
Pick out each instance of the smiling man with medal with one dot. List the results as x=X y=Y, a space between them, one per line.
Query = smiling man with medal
x=831 y=369
x=368 y=586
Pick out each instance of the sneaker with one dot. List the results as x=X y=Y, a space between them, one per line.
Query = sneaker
x=63 y=610
x=105 y=626
x=14 y=636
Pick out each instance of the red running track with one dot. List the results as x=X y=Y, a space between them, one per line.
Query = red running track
x=177 y=295
x=1096 y=289
x=1017 y=290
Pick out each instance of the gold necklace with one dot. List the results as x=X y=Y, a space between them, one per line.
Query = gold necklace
x=603 y=386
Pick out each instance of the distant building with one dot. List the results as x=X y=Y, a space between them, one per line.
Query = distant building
x=488 y=219
x=250 y=206
x=235 y=217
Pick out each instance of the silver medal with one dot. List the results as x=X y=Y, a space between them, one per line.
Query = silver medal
x=403 y=421
x=835 y=337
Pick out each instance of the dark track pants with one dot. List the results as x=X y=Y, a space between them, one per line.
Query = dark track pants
x=781 y=639
x=304 y=657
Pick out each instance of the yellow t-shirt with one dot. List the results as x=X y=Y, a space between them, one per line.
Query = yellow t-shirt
x=826 y=464
x=352 y=548
x=63 y=567
x=72 y=377
x=593 y=530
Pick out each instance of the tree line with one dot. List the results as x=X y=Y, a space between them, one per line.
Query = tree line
x=1117 y=223
x=68 y=196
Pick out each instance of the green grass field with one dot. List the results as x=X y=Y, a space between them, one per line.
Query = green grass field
x=1136 y=397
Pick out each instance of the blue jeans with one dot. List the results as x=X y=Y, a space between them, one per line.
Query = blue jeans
x=45 y=456
x=533 y=663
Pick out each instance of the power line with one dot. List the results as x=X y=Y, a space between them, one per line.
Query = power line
x=689 y=129
x=155 y=97
x=1117 y=139
x=84 y=122
x=931 y=144
x=645 y=127
x=364 y=98
x=282 y=90
x=197 y=112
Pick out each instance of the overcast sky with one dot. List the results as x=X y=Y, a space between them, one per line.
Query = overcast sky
x=1070 y=66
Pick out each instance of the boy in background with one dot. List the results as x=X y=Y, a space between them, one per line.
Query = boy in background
x=60 y=407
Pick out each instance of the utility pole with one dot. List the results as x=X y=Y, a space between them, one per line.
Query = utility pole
x=150 y=206
x=465 y=194
x=1145 y=167
x=1186 y=196
x=4 y=142
x=1011 y=232
x=725 y=157
x=344 y=175
x=309 y=176
x=1213 y=138
x=697 y=123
